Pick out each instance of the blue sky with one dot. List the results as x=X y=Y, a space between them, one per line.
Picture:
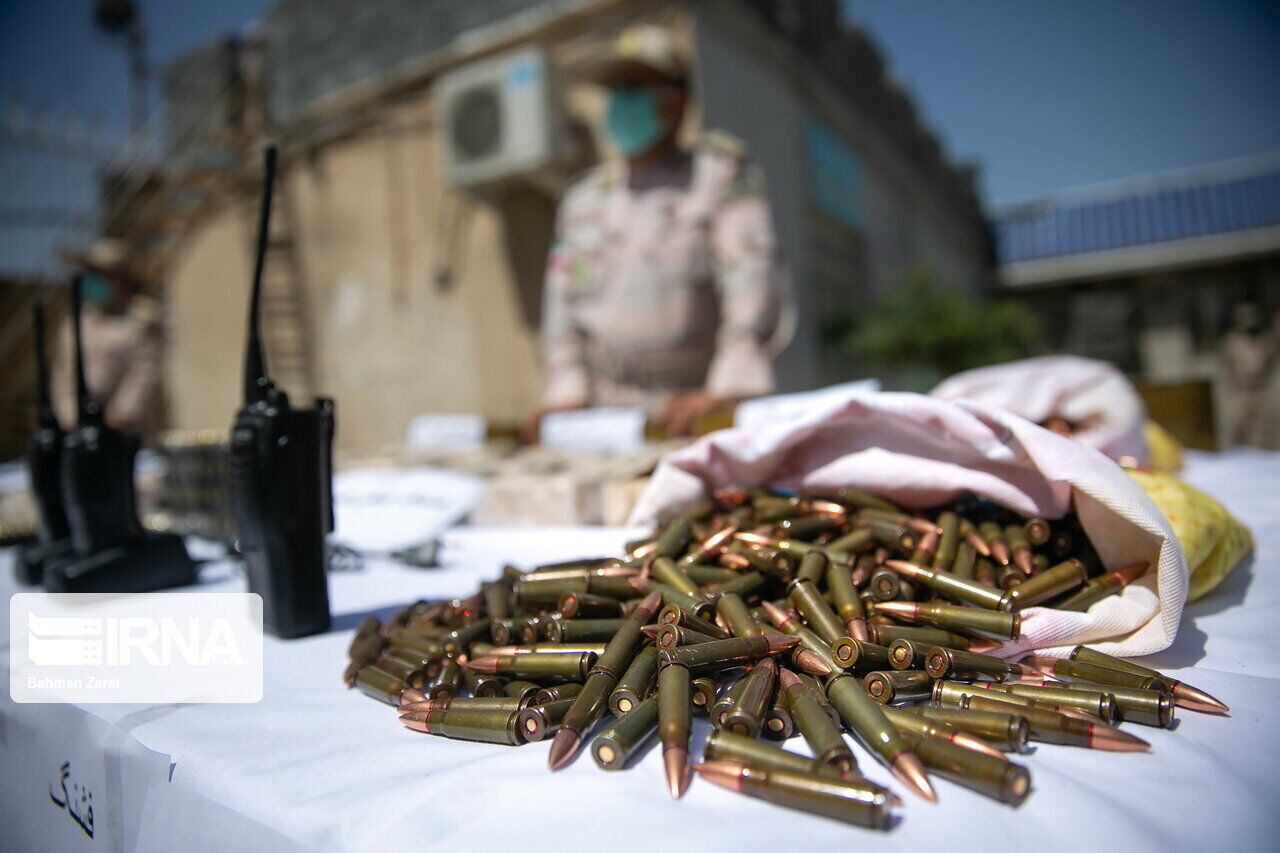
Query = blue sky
x=1042 y=95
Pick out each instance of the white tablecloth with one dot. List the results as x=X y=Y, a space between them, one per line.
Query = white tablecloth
x=315 y=766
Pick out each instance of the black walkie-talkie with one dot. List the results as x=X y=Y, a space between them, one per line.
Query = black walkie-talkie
x=281 y=479
x=44 y=464
x=110 y=552
x=97 y=466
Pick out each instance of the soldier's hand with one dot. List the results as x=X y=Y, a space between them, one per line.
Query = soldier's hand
x=527 y=430
x=679 y=413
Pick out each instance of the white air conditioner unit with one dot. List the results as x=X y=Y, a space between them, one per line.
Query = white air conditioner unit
x=498 y=119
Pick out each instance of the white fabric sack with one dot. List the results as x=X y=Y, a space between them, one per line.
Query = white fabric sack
x=920 y=452
x=1092 y=394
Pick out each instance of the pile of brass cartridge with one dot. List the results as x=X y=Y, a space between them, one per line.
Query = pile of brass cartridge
x=774 y=616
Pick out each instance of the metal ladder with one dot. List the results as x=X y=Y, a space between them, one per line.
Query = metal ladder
x=285 y=329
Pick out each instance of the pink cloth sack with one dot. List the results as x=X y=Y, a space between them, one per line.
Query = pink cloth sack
x=919 y=452
x=1093 y=394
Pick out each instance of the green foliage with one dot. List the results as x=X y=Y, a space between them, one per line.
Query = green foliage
x=921 y=325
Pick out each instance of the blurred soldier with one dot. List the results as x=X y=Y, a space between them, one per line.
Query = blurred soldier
x=1249 y=351
x=122 y=344
x=663 y=286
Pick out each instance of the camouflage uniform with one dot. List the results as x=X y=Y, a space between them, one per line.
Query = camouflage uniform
x=122 y=354
x=666 y=283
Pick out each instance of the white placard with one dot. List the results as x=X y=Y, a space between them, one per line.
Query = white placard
x=445 y=432
x=783 y=408
x=604 y=430
x=381 y=510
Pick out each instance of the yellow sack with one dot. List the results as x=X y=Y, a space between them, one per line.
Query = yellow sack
x=1164 y=452
x=1213 y=539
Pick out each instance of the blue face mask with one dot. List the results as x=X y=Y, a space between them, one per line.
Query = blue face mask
x=632 y=120
x=95 y=289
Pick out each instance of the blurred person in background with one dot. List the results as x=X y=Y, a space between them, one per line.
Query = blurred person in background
x=663 y=286
x=122 y=344
x=1249 y=352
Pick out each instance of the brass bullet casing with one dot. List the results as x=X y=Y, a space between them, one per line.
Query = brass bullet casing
x=726 y=654
x=811 y=642
x=962 y=567
x=1037 y=530
x=778 y=722
x=488 y=703
x=1019 y=547
x=636 y=682
x=556 y=692
x=952 y=587
x=614 y=747
x=818 y=692
x=674 y=538
x=857 y=499
x=1183 y=694
x=908 y=654
x=1048 y=726
x=563 y=666
x=815 y=610
x=818 y=730
x=536 y=722
x=994 y=536
x=950 y=617
x=447 y=682
x=889 y=687
x=864 y=718
x=410 y=673
x=702 y=574
x=813 y=567
x=665 y=570
x=1096 y=675
x=885 y=635
x=853 y=655
x=885 y=585
x=1008 y=731
x=497 y=599
x=487 y=725
x=530 y=629
x=1135 y=705
x=586 y=605
x=994 y=777
x=675 y=720
x=906 y=719
x=378 y=684
x=503 y=631
x=1100 y=705
x=744 y=584
x=670 y=595
x=863 y=568
x=984 y=572
x=1067 y=575
x=837 y=799
x=671 y=636
x=952 y=663
x=429 y=647
x=561 y=630
x=809 y=527
x=853 y=542
x=948 y=540
x=720 y=708
x=746 y=715
x=733 y=610
x=844 y=596
x=1096 y=589
x=672 y=615
x=703 y=695
x=481 y=685
x=724 y=745
x=523 y=691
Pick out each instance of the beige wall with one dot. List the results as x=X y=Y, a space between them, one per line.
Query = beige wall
x=372 y=221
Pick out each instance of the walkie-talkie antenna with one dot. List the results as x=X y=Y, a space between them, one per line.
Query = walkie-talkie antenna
x=87 y=407
x=255 y=370
x=44 y=400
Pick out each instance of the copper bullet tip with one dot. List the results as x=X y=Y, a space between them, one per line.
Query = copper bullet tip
x=417 y=707
x=898 y=609
x=487 y=665
x=811 y=662
x=910 y=772
x=563 y=746
x=412 y=694
x=776 y=616
x=905 y=568
x=415 y=725
x=979 y=544
x=787 y=678
x=652 y=600
x=1114 y=740
x=651 y=631
x=1130 y=573
x=1194 y=699
x=726 y=774
x=780 y=642
x=857 y=628
x=676 y=761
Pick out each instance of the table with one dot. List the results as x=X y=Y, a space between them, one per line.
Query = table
x=315 y=766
